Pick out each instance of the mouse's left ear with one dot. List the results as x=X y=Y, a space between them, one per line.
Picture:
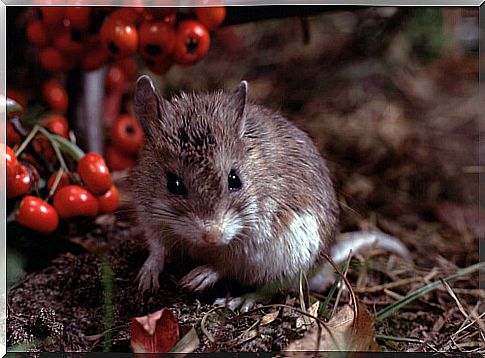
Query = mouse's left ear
x=149 y=106
x=239 y=97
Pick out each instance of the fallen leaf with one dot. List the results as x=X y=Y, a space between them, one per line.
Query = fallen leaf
x=155 y=333
x=341 y=333
x=305 y=320
x=270 y=317
x=188 y=343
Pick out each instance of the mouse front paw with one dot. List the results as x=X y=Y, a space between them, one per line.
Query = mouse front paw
x=200 y=279
x=148 y=277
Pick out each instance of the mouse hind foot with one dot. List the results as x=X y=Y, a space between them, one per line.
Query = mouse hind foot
x=148 y=276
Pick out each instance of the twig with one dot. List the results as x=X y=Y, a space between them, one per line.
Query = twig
x=204 y=330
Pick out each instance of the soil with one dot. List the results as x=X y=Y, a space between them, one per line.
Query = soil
x=401 y=138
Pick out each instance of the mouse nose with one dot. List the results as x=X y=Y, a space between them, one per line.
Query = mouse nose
x=212 y=234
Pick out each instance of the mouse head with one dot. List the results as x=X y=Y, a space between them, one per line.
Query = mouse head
x=192 y=171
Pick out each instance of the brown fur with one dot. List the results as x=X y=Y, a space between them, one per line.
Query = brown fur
x=201 y=138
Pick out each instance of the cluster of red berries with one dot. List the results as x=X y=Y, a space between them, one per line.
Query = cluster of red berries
x=80 y=186
x=89 y=36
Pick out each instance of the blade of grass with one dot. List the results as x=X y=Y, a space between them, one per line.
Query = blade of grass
x=107 y=278
x=323 y=307
x=385 y=312
x=339 y=293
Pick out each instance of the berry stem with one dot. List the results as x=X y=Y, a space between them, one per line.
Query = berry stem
x=55 y=184
x=27 y=140
x=54 y=144
x=68 y=147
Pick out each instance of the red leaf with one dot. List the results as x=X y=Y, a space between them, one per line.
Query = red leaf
x=156 y=333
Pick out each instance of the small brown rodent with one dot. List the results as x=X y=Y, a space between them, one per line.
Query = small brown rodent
x=235 y=186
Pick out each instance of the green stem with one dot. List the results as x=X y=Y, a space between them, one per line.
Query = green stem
x=53 y=142
x=27 y=140
x=107 y=279
x=56 y=183
x=68 y=147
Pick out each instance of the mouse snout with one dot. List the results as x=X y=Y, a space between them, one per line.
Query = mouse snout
x=212 y=234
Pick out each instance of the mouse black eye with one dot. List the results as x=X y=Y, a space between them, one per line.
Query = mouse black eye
x=234 y=181
x=175 y=185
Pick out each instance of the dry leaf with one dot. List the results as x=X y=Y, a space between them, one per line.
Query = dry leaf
x=342 y=334
x=305 y=320
x=155 y=333
x=187 y=344
x=270 y=317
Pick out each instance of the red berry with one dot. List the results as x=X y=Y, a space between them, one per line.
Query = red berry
x=12 y=136
x=51 y=59
x=129 y=66
x=37 y=33
x=42 y=146
x=19 y=184
x=57 y=124
x=37 y=215
x=119 y=37
x=118 y=160
x=157 y=39
x=69 y=43
x=79 y=17
x=127 y=134
x=55 y=95
x=95 y=55
x=115 y=78
x=211 y=17
x=192 y=42
x=72 y=200
x=11 y=161
x=129 y=14
x=52 y=15
x=166 y=14
x=109 y=201
x=94 y=173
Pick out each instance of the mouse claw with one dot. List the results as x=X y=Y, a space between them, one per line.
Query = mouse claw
x=148 y=277
x=199 y=279
x=245 y=302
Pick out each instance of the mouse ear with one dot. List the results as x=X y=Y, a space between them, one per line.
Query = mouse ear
x=148 y=104
x=239 y=96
